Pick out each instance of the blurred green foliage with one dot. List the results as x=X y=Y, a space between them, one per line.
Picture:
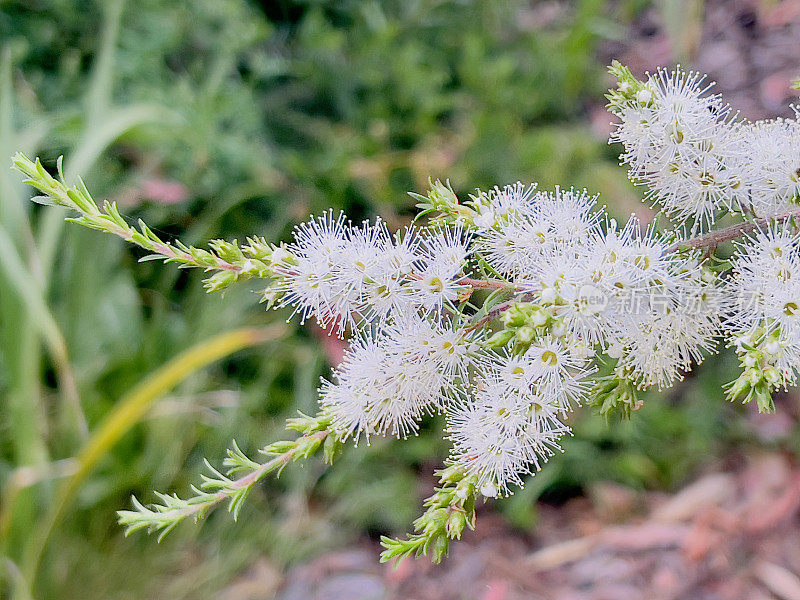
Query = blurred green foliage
x=222 y=118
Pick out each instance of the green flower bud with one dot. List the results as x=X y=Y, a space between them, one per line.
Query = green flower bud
x=455 y=524
x=500 y=339
x=220 y=281
x=525 y=335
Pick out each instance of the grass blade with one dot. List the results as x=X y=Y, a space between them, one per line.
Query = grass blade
x=24 y=284
x=130 y=410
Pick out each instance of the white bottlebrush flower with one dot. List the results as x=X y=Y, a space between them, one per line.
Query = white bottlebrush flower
x=765 y=282
x=626 y=260
x=492 y=442
x=344 y=275
x=562 y=367
x=553 y=224
x=437 y=284
x=442 y=348
x=660 y=346
x=357 y=262
x=548 y=364
x=770 y=168
x=564 y=283
x=662 y=314
x=512 y=247
x=387 y=290
x=351 y=396
x=699 y=182
x=390 y=379
x=309 y=271
x=505 y=431
x=500 y=205
x=603 y=285
x=680 y=143
x=572 y=215
x=679 y=110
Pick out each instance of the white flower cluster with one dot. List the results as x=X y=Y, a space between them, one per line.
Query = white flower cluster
x=513 y=421
x=697 y=159
x=652 y=309
x=389 y=380
x=765 y=286
x=343 y=275
x=570 y=289
x=514 y=307
x=583 y=284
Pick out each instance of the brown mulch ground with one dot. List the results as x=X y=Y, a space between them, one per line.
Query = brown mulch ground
x=727 y=536
x=750 y=48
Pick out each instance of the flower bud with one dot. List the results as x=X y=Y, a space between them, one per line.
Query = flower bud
x=540 y=318
x=525 y=335
x=499 y=339
x=455 y=524
x=773 y=376
x=548 y=295
x=489 y=490
x=644 y=96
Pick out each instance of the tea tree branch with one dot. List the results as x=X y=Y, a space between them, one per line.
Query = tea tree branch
x=218 y=487
x=229 y=261
x=448 y=512
x=714 y=239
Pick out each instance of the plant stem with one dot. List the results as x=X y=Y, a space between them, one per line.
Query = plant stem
x=205 y=503
x=494 y=312
x=714 y=238
x=257 y=474
x=489 y=284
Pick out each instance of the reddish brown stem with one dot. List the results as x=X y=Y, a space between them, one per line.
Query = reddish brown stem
x=495 y=312
x=714 y=238
x=490 y=284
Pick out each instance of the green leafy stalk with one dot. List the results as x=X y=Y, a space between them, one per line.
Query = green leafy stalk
x=229 y=261
x=759 y=377
x=615 y=394
x=442 y=203
x=449 y=511
x=218 y=487
x=629 y=88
